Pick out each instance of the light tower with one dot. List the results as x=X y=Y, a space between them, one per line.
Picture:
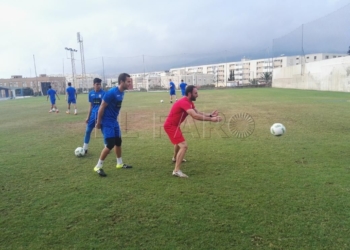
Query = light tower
x=73 y=63
x=83 y=73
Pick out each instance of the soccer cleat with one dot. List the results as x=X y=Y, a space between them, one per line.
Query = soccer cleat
x=67 y=112
x=119 y=166
x=179 y=174
x=100 y=171
x=171 y=101
x=57 y=111
x=75 y=113
x=174 y=160
x=50 y=111
x=86 y=151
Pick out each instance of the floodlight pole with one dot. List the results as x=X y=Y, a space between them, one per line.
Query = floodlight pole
x=83 y=72
x=73 y=63
x=36 y=76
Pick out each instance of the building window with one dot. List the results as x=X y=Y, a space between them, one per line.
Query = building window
x=315 y=57
x=327 y=57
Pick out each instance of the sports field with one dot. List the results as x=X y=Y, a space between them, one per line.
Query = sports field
x=249 y=192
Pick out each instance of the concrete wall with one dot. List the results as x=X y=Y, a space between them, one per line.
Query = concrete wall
x=325 y=75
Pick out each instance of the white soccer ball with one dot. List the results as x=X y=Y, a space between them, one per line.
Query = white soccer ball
x=79 y=152
x=161 y=101
x=277 y=129
x=53 y=109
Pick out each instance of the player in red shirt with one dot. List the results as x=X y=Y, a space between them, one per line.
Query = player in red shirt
x=177 y=115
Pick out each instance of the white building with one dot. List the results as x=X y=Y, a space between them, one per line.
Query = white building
x=80 y=82
x=247 y=70
x=219 y=74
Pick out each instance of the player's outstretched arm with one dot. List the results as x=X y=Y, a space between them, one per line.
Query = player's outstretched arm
x=202 y=117
x=212 y=114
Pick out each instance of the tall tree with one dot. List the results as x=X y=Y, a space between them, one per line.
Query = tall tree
x=266 y=77
x=232 y=75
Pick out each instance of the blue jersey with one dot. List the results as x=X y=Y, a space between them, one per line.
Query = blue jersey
x=114 y=98
x=95 y=98
x=172 y=86
x=52 y=94
x=183 y=86
x=71 y=92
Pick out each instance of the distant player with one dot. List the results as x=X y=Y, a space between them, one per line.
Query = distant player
x=71 y=97
x=172 y=91
x=183 y=87
x=95 y=100
x=107 y=121
x=52 y=94
x=177 y=115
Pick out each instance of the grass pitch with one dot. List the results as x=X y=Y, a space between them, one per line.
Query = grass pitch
x=250 y=192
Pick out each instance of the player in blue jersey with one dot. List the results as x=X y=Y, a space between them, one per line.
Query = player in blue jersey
x=183 y=87
x=107 y=121
x=95 y=100
x=71 y=98
x=52 y=94
x=172 y=91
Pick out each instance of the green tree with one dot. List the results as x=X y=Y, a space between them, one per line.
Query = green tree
x=267 y=77
x=253 y=81
x=232 y=75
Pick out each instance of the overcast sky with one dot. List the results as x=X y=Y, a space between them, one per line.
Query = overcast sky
x=167 y=33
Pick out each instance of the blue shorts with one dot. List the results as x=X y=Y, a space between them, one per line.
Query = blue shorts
x=53 y=101
x=72 y=100
x=172 y=92
x=111 y=130
x=92 y=122
x=183 y=92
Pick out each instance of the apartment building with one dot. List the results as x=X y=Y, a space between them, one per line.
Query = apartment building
x=37 y=84
x=81 y=82
x=246 y=70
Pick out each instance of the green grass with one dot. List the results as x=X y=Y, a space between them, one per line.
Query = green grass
x=258 y=192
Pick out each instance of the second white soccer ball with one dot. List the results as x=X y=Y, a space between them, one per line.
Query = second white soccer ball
x=161 y=101
x=277 y=129
x=79 y=152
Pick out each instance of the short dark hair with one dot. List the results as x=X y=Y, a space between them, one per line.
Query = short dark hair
x=97 y=80
x=182 y=80
x=69 y=84
x=122 y=77
x=189 y=89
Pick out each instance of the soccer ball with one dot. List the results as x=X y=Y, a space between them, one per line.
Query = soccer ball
x=161 y=101
x=277 y=129
x=79 y=151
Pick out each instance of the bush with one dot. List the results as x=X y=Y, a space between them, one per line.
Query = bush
x=157 y=87
x=207 y=86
